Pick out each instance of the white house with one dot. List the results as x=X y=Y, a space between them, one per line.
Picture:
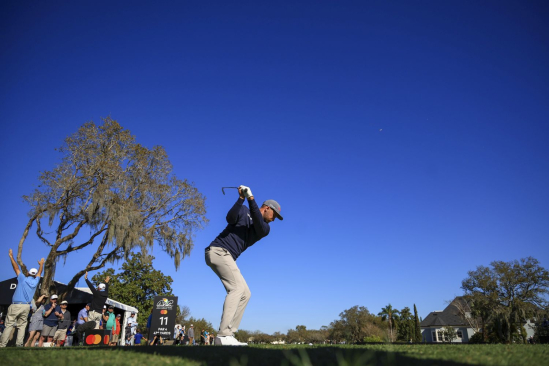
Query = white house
x=432 y=326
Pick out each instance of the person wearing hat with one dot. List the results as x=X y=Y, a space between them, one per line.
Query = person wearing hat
x=100 y=295
x=190 y=333
x=244 y=228
x=131 y=325
x=51 y=313
x=19 y=309
x=64 y=324
x=109 y=320
x=81 y=319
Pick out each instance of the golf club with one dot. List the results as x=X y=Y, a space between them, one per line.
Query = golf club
x=223 y=189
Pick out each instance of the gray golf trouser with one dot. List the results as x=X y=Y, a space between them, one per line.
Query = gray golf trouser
x=94 y=316
x=238 y=293
x=17 y=317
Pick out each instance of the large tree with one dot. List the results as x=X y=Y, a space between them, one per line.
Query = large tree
x=113 y=194
x=390 y=315
x=506 y=294
x=355 y=324
x=137 y=284
x=405 y=330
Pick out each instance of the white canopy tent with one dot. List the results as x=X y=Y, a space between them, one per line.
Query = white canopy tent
x=127 y=312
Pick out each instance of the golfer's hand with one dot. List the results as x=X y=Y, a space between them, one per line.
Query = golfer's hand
x=41 y=261
x=11 y=251
x=245 y=191
x=107 y=279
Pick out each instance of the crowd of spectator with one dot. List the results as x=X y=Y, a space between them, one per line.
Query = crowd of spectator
x=47 y=323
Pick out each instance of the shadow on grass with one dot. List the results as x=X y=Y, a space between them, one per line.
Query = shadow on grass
x=329 y=355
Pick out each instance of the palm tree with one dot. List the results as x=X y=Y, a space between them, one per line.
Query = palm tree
x=390 y=314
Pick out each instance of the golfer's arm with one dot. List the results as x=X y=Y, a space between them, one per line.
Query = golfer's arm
x=232 y=215
x=14 y=265
x=260 y=226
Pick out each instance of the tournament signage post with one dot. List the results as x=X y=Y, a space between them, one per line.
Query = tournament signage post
x=163 y=316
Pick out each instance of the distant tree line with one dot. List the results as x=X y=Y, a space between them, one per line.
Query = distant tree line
x=355 y=325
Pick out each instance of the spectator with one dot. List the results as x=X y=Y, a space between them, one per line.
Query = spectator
x=129 y=339
x=157 y=341
x=202 y=337
x=18 y=311
x=63 y=325
x=2 y=326
x=100 y=295
x=190 y=333
x=131 y=325
x=137 y=337
x=180 y=336
x=206 y=337
x=109 y=320
x=51 y=313
x=116 y=331
x=101 y=322
x=176 y=331
x=70 y=334
x=36 y=322
x=82 y=318
x=178 y=339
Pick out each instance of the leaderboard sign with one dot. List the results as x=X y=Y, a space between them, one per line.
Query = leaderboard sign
x=163 y=316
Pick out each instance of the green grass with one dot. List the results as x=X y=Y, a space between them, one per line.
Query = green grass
x=383 y=355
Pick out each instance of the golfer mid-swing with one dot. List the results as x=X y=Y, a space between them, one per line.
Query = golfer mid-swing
x=245 y=227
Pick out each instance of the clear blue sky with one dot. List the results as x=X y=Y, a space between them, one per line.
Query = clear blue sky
x=407 y=142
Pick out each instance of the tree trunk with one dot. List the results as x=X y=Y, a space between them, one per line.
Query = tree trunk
x=48 y=286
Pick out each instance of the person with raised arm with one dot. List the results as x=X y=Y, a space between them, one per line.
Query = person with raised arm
x=100 y=295
x=18 y=311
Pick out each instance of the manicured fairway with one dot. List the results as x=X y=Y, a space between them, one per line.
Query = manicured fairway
x=442 y=355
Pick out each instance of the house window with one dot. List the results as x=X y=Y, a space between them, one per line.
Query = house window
x=438 y=336
x=460 y=334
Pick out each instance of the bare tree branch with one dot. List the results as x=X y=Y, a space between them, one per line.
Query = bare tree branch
x=83 y=245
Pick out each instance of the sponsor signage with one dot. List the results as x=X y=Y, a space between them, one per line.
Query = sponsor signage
x=97 y=337
x=163 y=317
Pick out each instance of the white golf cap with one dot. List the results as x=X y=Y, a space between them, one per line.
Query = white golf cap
x=33 y=271
x=101 y=286
x=64 y=302
x=53 y=297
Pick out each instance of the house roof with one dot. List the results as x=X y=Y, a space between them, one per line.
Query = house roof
x=448 y=316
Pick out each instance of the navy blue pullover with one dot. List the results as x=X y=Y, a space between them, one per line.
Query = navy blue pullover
x=245 y=227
